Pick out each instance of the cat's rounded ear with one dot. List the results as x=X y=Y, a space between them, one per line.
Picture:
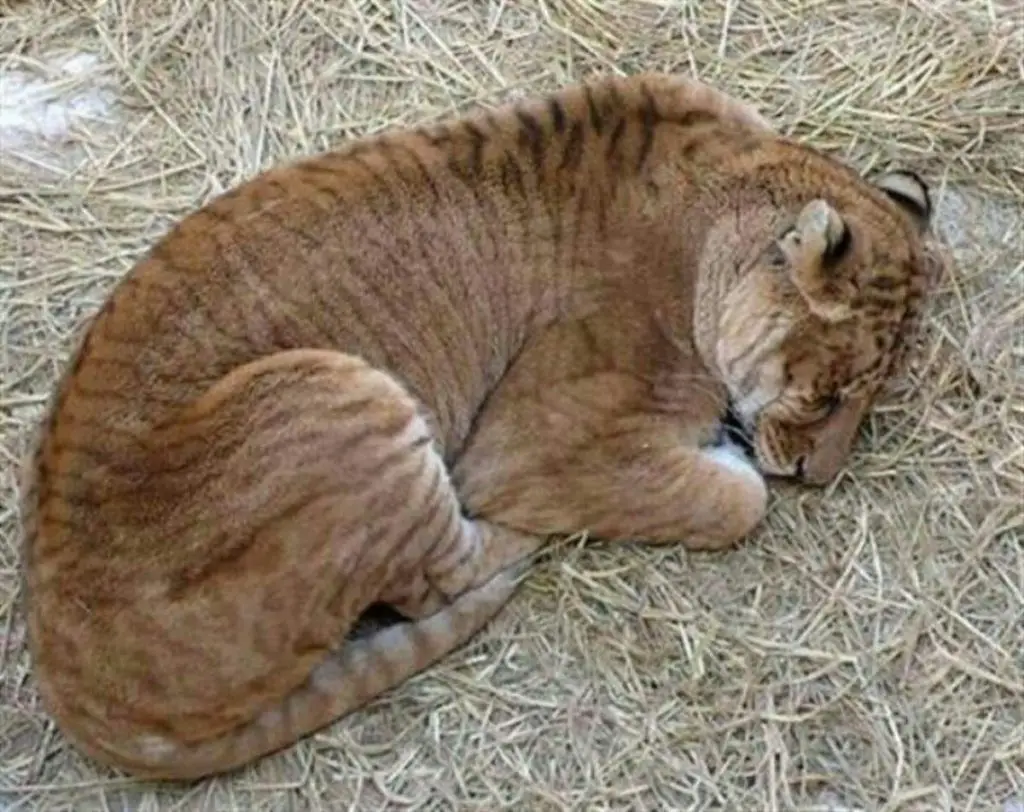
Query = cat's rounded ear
x=908 y=191
x=813 y=249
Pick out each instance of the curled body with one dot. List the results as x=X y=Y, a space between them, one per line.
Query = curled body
x=385 y=375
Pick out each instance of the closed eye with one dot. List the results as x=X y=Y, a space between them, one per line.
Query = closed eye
x=829 y=406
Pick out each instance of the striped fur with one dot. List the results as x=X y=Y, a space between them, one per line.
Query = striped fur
x=384 y=375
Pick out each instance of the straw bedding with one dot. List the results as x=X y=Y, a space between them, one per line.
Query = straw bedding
x=865 y=651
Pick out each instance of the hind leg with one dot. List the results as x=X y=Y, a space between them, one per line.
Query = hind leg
x=389 y=484
x=245 y=539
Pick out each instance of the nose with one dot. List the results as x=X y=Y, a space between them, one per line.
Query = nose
x=833 y=442
x=817 y=471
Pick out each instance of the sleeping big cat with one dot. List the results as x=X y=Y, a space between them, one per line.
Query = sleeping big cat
x=383 y=376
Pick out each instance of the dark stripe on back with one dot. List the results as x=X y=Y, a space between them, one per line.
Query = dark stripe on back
x=557 y=115
x=531 y=136
x=477 y=140
x=648 y=122
x=572 y=153
x=613 y=142
x=596 y=119
x=693 y=118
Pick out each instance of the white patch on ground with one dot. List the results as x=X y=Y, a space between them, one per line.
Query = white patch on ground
x=832 y=803
x=976 y=228
x=50 y=102
x=964 y=217
x=1014 y=806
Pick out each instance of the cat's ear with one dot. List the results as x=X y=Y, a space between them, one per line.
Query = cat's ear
x=812 y=250
x=908 y=191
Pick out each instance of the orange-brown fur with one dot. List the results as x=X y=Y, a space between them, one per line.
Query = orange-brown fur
x=383 y=375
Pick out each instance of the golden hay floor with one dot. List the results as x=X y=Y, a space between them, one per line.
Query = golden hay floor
x=865 y=651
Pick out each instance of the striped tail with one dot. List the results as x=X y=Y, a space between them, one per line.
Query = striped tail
x=361 y=670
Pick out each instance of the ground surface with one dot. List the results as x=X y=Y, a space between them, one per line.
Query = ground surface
x=866 y=649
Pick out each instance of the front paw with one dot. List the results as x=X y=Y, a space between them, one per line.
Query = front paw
x=742 y=493
x=733 y=457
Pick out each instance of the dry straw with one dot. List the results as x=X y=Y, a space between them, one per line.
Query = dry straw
x=864 y=652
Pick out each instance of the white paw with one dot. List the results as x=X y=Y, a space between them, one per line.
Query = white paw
x=731 y=456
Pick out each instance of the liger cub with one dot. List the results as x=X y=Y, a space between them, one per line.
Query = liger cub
x=385 y=375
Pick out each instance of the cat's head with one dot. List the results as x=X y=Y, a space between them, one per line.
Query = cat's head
x=821 y=318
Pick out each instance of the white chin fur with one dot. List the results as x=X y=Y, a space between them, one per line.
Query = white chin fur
x=748 y=406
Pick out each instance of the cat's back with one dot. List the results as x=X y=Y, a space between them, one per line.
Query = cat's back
x=259 y=269
x=403 y=248
x=423 y=252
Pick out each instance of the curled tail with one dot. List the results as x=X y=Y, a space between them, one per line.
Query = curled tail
x=361 y=670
